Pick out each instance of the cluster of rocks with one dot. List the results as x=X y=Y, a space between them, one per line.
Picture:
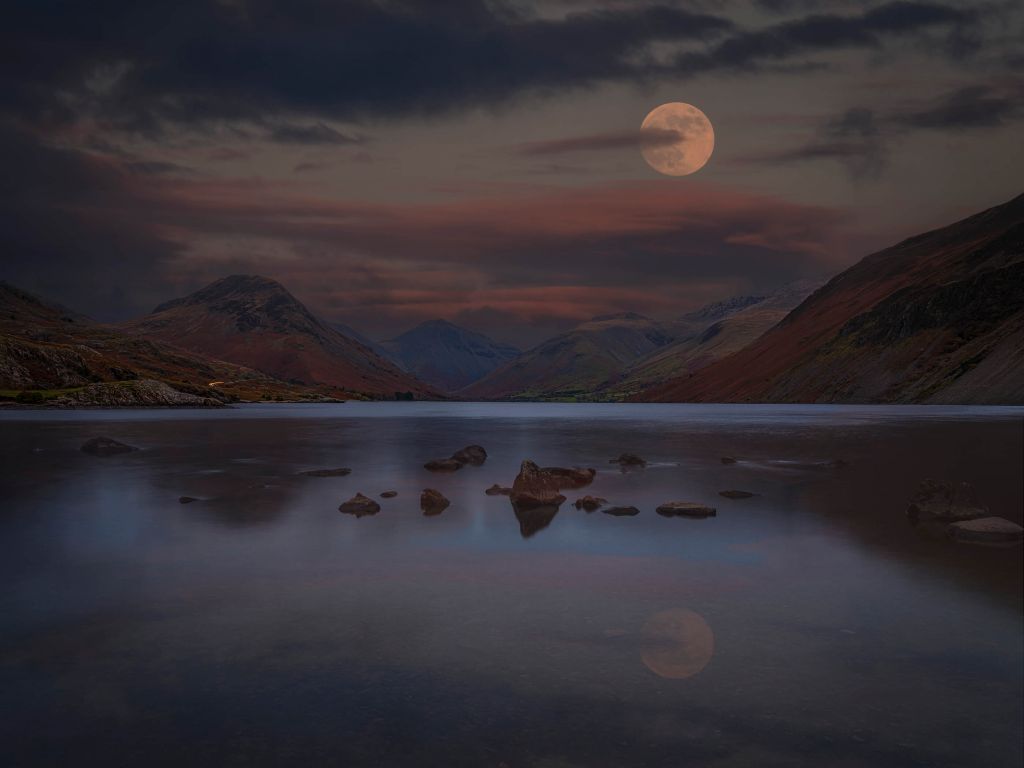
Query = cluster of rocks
x=628 y=461
x=474 y=455
x=142 y=392
x=955 y=510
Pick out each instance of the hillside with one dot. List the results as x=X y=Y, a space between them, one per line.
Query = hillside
x=255 y=322
x=446 y=355
x=936 y=318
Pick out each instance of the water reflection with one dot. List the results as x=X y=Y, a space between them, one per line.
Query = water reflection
x=533 y=519
x=677 y=643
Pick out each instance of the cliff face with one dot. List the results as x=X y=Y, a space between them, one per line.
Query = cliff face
x=936 y=318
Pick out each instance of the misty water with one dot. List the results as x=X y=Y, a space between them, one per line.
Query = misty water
x=808 y=625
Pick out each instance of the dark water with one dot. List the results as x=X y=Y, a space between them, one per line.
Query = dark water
x=810 y=625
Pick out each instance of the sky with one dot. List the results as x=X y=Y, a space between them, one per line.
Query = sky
x=394 y=161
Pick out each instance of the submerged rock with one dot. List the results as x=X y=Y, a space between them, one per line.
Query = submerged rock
x=389 y=494
x=590 y=503
x=686 y=509
x=433 y=502
x=498 y=490
x=106 y=446
x=186 y=499
x=339 y=472
x=621 y=511
x=360 y=506
x=471 y=454
x=443 y=465
x=986 y=530
x=729 y=459
x=945 y=502
x=736 y=494
x=474 y=455
x=629 y=460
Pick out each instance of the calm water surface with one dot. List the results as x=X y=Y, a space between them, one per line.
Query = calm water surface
x=810 y=625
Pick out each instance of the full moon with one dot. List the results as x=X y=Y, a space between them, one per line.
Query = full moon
x=676 y=139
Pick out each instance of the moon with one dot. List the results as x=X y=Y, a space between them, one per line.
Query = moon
x=677 y=643
x=676 y=139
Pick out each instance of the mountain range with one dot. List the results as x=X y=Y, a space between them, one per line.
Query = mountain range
x=937 y=318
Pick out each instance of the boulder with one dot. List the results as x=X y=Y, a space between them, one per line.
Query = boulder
x=621 y=511
x=535 y=486
x=105 y=446
x=389 y=494
x=986 y=530
x=471 y=454
x=339 y=472
x=433 y=502
x=443 y=465
x=590 y=503
x=498 y=490
x=629 y=460
x=360 y=506
x=685 y=509
x=945 y=502
x=736 y=494
x=571 y=477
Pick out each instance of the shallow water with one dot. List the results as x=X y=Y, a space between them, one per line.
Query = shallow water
x=808 y=625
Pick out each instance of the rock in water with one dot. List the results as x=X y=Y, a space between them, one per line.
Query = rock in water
x=187 y=499
x=360 y=506
x=736 y=494
x=942 y=501
x=536 y=487
x=533 y=519
x=590 y=503
x=498 y=490
x=986 y=530
x=629 y=460
x=339 y=472
x=443 y=465
x=471 y=454
x=686 y=509
x=728 y=460
x=621 y=511
x=433 y=502
x=389 y=494
x=106 y=446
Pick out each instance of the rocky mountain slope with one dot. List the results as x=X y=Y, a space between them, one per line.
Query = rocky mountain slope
x=937 y=318
x=255 y=322
x=574 y=364
x=446 y=355
x=708 y=335
x=46 y=347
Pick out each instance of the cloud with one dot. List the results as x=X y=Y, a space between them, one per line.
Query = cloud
x=315 y=133
x=861 y=138
x=598 y=142
x=142 y=67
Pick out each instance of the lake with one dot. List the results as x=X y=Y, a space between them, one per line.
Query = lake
x=808 y=625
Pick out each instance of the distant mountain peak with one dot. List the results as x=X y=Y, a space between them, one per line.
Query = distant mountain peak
x=618 y=316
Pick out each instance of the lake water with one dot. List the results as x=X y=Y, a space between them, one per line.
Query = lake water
x=810 y=625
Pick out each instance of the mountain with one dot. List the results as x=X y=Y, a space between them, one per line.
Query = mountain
x=708 y=335
x=44 y=346
x=576 y=363
x=446 y=355
x=366 y=341
x=255 y=322
x=937 y=318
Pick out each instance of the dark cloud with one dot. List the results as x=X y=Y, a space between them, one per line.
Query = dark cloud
x=315 y=133
x=599 y=142
x=139 y=66
x=861 y=138
x=975 y=106
x=75 y=227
